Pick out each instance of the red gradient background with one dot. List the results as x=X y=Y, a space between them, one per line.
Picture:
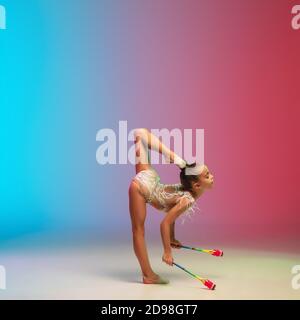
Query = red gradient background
x=232 y=68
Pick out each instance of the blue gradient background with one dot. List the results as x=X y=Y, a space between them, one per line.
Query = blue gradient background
x=70 y=68
x=60 y=72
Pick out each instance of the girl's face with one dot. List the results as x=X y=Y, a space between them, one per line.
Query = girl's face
x=206 y=179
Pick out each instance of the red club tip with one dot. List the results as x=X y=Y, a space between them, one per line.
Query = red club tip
x=217 y=253
x=210 y=285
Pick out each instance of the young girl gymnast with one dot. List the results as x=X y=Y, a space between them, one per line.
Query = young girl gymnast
x=173 y=199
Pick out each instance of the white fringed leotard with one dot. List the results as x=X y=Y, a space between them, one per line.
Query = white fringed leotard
x=163 y=196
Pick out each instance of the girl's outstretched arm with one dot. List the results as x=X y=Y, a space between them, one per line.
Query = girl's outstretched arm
x=174 y=242
x=172 y=232
x=165 y=228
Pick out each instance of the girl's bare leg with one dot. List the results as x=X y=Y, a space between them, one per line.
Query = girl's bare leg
x=146 y=140
x=142 y=157
x=137 y=208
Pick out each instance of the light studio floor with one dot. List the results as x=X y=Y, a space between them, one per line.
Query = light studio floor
x=111 y=272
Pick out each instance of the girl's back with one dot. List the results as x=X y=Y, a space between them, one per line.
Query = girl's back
x=163 y=196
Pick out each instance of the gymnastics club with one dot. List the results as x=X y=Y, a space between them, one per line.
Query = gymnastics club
x=209 y=284
x=213 y=252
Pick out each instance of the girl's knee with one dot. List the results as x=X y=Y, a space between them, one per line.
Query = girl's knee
x=138 y=230
x=139 y=132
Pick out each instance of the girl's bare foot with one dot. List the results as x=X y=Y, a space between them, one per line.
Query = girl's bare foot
x=156 y=279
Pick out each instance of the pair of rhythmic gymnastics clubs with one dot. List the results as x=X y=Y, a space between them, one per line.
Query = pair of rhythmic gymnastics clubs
x=214 y=252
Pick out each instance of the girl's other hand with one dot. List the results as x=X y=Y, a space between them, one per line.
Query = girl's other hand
x=168 y=258
x=176 y=244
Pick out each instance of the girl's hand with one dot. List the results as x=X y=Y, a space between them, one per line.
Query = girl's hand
x=176 y=244
x=168 y=258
